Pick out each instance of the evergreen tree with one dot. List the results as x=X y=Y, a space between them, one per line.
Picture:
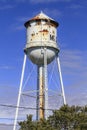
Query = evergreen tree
x=66 y=118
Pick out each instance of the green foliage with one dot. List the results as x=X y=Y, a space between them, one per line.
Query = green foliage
x=71 y=118
x=32 y=125
x=28 y=124
x=66 y=118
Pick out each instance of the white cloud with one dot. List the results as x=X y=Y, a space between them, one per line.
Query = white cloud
x=3 y=0
x=17 y=26
x=37 y=1
x=75 y=6
x=22 y=0
x=43 y=1
x=6 y=127
x=6 y=67
x=5 y=7
x=19 y=23
x=74 y=70
x=48 y=1
x=74 y=60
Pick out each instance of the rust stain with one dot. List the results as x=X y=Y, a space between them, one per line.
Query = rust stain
x=32 y=34
x=44 y=30
x=43 y=17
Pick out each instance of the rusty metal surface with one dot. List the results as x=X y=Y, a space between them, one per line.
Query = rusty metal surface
x=41 y=93
x=41 y=33
x=43 y=17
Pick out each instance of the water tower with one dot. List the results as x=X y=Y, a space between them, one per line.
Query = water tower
x=41 y=48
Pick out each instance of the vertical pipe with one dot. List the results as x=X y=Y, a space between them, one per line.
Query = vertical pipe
x=61 y=80
x=37 y=100
x=19 y=95
x=45 y=83
x=41 y=93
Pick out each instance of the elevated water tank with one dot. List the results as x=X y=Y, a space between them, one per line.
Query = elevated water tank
x=41 y=33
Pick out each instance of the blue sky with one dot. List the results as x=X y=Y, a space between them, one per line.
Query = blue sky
x=72 y=41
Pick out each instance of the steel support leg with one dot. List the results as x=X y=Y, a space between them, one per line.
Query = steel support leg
x=45 y=83
x=19 y=95
x=37 y=100
x=61 y=80
x=40 y=94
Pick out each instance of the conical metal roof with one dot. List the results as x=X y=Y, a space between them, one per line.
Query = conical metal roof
x=42 y=16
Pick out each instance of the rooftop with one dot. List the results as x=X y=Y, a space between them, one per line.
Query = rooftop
x=41 y=16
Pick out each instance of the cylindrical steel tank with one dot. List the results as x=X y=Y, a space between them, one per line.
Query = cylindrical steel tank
x=41 y=33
